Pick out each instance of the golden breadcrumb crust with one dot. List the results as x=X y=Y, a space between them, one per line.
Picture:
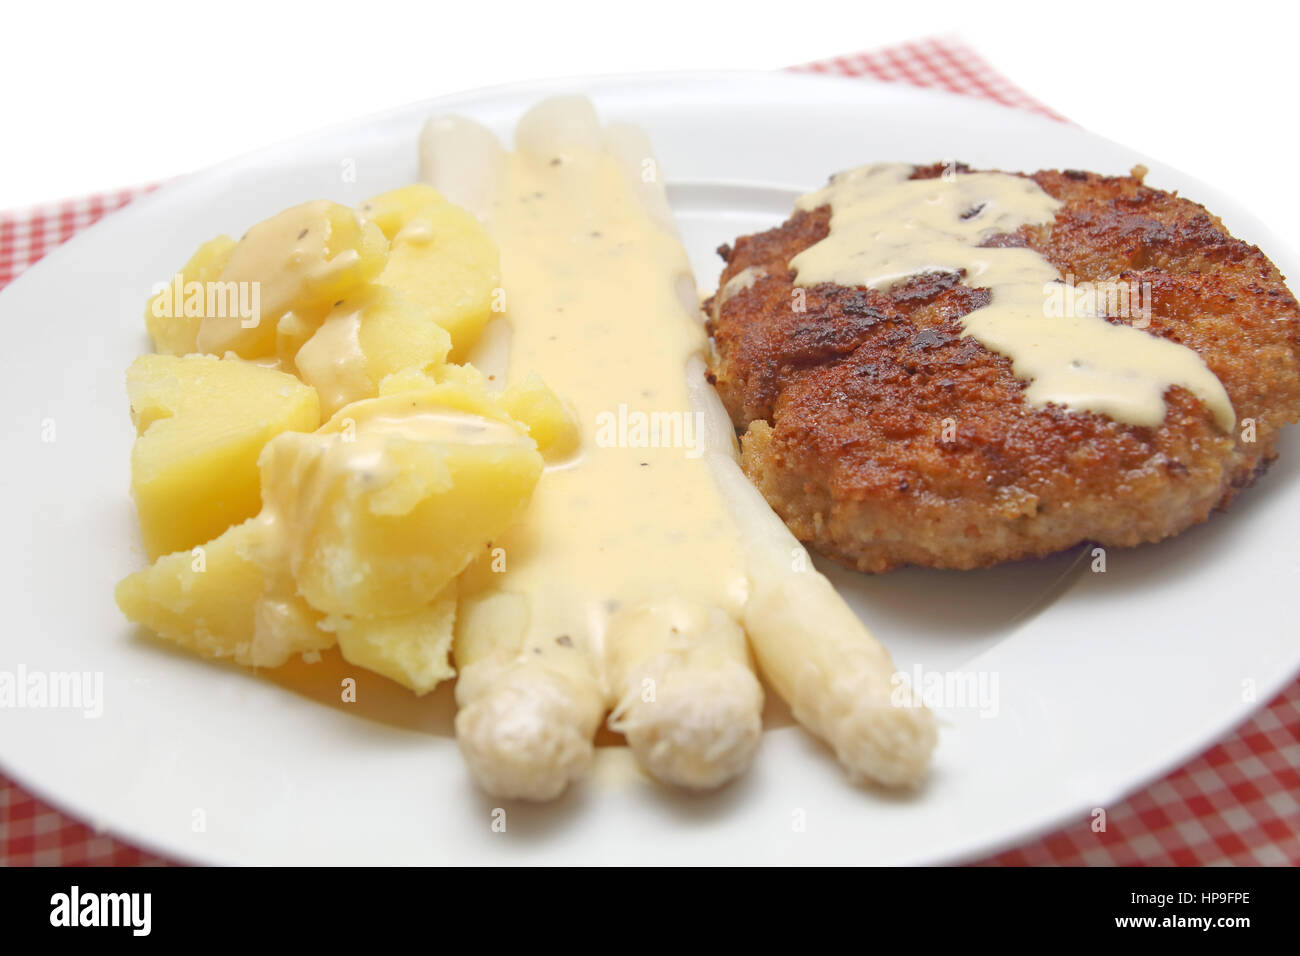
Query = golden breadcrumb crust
x=884 y=438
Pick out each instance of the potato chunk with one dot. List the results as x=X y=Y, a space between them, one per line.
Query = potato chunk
x=215 y=601
x=202 y=422
x=389 y=500
x=442 y=260
x=550 y=423
x=174 y=325
x=413 y=649
x=365 y=338
x=302 y=260
x=394 y=210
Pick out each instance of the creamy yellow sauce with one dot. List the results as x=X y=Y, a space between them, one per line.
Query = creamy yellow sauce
x=261 y=257
x=591 y=283
x=885 y=228
x=333 y=362
x=443 y=425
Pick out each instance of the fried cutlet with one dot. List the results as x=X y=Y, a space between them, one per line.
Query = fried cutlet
x=884 y=437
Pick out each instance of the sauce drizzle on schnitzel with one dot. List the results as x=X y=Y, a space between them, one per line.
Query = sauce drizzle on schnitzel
x=886 y=228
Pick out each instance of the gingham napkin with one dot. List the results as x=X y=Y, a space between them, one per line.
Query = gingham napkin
x=1234 y=804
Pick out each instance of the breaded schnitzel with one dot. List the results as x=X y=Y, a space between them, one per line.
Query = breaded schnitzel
x=883 y=436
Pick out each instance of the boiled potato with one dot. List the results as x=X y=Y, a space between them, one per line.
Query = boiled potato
x=365 y=522
x=413 y=649
x=395 y=336
x=222 y=600
x=365 y=338
x=441 y=259
x=173 y=325
x=389 y=500
x=465 y=380
x=215 y=601
x=531 y=403
x=553 y=426
x=202 y=422
x=303 y=260
x=461 y=387
x=394 y=210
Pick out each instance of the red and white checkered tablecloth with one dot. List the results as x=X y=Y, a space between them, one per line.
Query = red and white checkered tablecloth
x=1237 y=803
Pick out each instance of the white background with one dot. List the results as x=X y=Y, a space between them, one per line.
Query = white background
x=114 y=94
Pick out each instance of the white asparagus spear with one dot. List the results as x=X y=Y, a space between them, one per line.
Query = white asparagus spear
x=680 y=675
x=527 y=713
x=684 y=691
x=631 y=148
x=463 y=160
x=811 y=647
x=528 y=707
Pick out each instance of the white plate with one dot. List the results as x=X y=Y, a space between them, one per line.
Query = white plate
x=1104 y=680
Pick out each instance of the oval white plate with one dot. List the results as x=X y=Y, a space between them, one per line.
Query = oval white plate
x=1103 y=681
